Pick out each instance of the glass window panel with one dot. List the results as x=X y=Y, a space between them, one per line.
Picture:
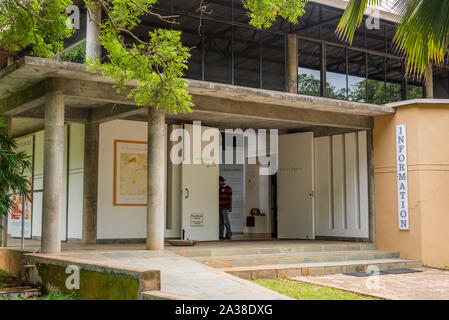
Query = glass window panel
x=240 y=13
x=394 y=80
x=376 y=79
x=375 y=38
x=336 y=72
x=356 y=76
x=217 y=52
x=191 y=38
x=391 y=31
x=309 y=70
x=273 y=61
x=218 y=9
x=246 y=57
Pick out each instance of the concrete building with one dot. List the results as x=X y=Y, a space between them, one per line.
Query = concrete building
x=336 y=107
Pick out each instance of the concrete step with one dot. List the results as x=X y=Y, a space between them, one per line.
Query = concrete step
x=317 y=269
x=273 y=248
x=294 y=258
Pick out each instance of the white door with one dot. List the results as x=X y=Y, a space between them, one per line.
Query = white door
x=199 y=181
x=295 y=187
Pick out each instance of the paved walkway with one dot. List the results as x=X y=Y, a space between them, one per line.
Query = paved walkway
x=179 y=275
x=431 y=284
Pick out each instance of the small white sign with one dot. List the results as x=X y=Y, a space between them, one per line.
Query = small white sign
x=197 y=220
x=402 y=177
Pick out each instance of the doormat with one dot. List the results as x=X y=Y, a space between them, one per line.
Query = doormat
x=396 y=271
x=401 y=271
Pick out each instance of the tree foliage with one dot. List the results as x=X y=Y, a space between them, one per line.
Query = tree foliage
x=13 y=165
x=263 y=13
x=37 y=24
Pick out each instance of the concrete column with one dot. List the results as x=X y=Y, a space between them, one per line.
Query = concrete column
x=53 y=167
x=93 y=46
x=429 y=82
x=292 y=63
x=156 y=179
x=371 y=195
x=90 y=188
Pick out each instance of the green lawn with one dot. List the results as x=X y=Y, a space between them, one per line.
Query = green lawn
x=307 y=291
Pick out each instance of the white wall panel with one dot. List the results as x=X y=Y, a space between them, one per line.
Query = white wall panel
x=323 y=185
x=338 y=178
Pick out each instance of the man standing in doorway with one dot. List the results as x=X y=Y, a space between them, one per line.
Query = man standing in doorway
x=225 y=208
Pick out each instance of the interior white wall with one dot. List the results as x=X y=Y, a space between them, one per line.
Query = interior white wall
x=341 y=185
x=257 y=195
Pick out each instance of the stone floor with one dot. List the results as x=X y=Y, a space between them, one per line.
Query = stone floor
x=431 y=284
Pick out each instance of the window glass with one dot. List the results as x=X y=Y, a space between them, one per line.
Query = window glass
x=356 y=76
x=191 y=38
x=217 y=52
x=336 y=72
x=394 y=80
x=309 y=61
x=273 y=61
x=376 y=79
x=246 y=57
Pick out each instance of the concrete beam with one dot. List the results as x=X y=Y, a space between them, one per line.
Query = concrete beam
x=281 y=113
x=156 y=179
x=113 y=112
x=23 y=100
x=53 y=167
x=95 y=92
x=90 y=185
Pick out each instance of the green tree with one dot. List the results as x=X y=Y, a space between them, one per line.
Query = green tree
x=423 y=29
x=13 y=165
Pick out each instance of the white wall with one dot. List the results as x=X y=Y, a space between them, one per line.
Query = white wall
x=257 y=188
x=115 y=222
x=341 y=185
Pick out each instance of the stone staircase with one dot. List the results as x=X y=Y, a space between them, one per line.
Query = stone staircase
x=295 y=260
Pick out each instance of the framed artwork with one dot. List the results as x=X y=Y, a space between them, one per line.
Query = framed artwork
x=130 y=173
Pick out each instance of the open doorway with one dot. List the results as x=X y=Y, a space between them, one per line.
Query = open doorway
x=252 y=200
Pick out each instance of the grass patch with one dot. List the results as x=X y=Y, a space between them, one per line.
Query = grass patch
x=445 y=267
x=308 y=291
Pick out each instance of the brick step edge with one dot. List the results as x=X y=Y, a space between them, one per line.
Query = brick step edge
x=285 y=271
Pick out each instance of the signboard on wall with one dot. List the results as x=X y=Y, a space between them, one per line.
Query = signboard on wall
x=22 y=207
x=130 y=173
x=402 y=177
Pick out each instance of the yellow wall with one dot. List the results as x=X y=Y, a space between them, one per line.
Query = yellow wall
x=428 y=183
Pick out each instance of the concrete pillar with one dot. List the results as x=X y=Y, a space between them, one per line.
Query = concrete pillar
x=90 y=188
x=8 y=122
x=156 y=179
x=371 y=195
x=53 y=167
x=93 y=46
x=429 y=82
x=292 y=63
